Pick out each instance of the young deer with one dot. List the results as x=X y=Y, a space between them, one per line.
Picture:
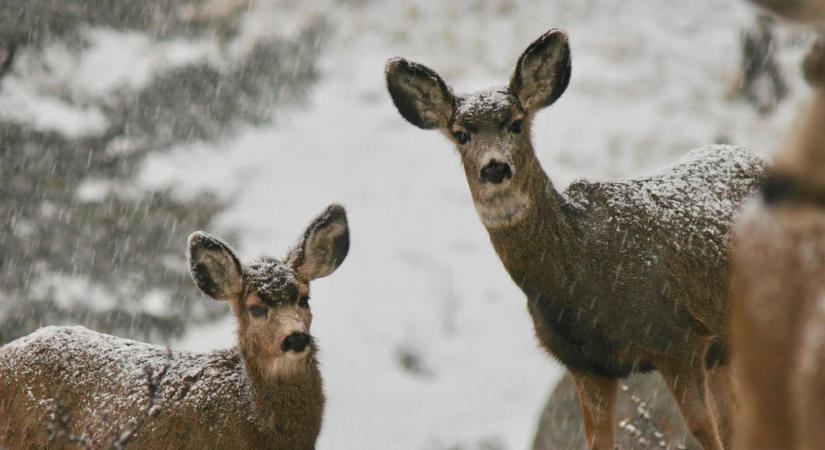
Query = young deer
x=621 y=276
x=778 y=309
x=264 y=393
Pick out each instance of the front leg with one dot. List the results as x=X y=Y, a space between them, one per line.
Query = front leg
x=688 y=386
x=721 y=388
x=597 y=396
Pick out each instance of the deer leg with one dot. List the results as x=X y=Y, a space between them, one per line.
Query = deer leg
x=689 y=389
x=721 y=389
x=597 y=396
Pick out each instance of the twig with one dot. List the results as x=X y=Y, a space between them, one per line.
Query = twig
x=58 y=428
x=152 y=406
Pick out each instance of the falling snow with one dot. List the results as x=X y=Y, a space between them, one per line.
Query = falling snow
x=121 y=133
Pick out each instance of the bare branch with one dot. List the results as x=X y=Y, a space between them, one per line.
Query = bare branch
x=153 y=404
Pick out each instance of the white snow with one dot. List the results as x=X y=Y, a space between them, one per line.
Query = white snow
x=486 y=101
x=112 y=60
x=68 y=288
x=116 y=60
x=649 y=83
x=24 y=102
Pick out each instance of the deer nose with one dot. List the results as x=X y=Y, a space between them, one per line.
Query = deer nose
x=495 y=172
x=295 y=342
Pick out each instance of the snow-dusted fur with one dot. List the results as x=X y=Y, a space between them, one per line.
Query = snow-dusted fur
x=620 y=276
x=260 y=394
x=206 y=399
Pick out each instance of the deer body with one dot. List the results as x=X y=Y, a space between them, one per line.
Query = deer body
x=778 y=306
x=778 y=326
x=207 y=400
x=621 y=276
x=266 y=392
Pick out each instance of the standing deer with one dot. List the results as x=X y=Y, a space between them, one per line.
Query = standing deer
x=778 y=310
x=620 y=277
x=264 y=393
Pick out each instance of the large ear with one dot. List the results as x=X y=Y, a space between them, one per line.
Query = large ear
x=813 y=66
x=324 y=245
x=420 y=95
x=214 y=267
x=543 y=71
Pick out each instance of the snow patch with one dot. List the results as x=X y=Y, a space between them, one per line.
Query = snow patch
x=23 y=102
x=128 y=60
x=69 y=289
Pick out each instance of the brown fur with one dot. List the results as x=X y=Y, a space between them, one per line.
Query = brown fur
x=621 y=276
x=207 y=399
x=778 y=310
x=798 y=10
x=256 y=395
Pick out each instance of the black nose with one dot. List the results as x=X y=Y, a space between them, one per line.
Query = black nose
x=495 y=172
x=295 y=342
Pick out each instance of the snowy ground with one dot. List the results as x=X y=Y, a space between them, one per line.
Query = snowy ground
x=422 y=287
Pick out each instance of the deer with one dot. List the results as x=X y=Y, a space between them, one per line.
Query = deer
x=778 y=305
x=620 y=276
x=265 y=392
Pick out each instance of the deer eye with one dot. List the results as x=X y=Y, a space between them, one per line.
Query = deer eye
x=304 y=302
x=257 y=311
x=516 y=126
x=461 y=136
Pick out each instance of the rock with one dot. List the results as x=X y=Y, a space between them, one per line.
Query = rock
x=646 y=417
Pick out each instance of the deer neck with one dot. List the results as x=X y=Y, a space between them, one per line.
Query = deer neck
x=538 y=250
x=289 y=402
x=803 y=157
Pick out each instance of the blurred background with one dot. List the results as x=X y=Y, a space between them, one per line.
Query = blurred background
x=125 y=126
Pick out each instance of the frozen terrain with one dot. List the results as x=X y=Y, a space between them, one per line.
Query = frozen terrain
x=426 y=342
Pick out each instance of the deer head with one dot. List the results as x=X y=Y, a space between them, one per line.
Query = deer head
x=490 y=129
x=270 y=297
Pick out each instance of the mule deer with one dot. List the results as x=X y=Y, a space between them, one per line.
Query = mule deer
x=620 y=277
x=264 y=393
x=778 y=310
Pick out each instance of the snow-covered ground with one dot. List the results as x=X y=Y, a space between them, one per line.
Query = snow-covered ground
x=422 y=286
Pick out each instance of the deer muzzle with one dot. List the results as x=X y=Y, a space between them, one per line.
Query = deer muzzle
x=495 y=172
x=295 y=342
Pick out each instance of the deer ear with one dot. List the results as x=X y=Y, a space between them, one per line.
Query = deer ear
x=543 y=71
x=214 y=267
x=420 y=95
x=324 y=245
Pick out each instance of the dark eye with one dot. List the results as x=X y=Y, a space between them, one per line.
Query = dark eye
x=516 y=126
x=461 y=136
x=304 y=302
x=257 y=311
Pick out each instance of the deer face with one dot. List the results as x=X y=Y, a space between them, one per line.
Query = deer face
x=490 y=129
x=275 y=315
x=270 y=297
